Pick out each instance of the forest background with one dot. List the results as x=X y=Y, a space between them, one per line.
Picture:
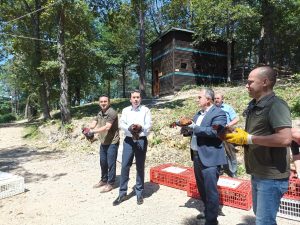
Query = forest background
x=56 y=54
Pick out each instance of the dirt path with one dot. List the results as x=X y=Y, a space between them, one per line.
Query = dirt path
x=59 y=191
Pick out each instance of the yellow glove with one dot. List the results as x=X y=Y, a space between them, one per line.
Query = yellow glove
x=239 y=137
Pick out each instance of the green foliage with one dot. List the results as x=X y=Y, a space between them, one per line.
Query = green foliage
x=156 y=140
x=32 y=132
x=296 y=78
x=101 y=40
x=295 y=109
x=69 y=127
x=6 y=118
x=93 y=108
x=189 y=87
x=241 y=170
x=5 y=106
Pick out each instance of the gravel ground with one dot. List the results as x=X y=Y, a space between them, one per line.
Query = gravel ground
x=59 y=191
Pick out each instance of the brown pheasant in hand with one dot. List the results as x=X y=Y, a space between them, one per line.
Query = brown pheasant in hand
x=222 y=131
x=182 y=122
x=88 y=134
x=135 y=130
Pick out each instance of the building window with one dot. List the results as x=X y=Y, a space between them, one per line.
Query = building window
x=183 y=65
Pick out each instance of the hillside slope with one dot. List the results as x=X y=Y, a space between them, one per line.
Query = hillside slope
x=165 y=143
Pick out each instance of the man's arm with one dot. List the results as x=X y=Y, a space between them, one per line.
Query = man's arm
x=110 y=120
x=281 y=138
x=233 y=117
x=233 y=122
x=296 y=135
x=219 y=120
x=106 y=127
x=93 y=124
x=148 y=122
x=123 y=121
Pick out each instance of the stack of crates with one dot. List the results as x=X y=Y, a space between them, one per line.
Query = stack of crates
x=290 y=203
x=232 y=192
x=171 y=175
x=10 y=185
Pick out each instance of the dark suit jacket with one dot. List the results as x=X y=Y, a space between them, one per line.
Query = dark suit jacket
x=210 y=148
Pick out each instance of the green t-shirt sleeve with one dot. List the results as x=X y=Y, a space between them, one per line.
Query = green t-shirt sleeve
x=111 y=117
x=280 y=115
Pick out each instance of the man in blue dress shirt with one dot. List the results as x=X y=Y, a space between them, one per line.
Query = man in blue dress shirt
x=232 y=119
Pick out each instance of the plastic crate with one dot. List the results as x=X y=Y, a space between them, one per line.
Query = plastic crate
x=232 y=192
x=238 y=197
x=192 y=190
x=289 y=209
x=294 y=188
x=10 y=185
x=171 y=175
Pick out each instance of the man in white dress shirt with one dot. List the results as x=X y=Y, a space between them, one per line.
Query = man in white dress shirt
x=136 y=122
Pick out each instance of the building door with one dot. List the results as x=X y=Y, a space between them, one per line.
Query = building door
x=156 y=84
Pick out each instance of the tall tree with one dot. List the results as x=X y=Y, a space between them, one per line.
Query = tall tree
x=140 y=7
x=219 y=20
x=64 y=106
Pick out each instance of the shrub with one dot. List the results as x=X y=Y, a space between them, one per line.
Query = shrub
x=6 y=118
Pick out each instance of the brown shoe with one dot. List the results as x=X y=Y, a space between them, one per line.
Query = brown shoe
x=100 y=184
x=107 y=188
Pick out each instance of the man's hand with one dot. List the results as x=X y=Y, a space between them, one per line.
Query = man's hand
x=185 y=131
x=192 y=125
x=238 y=137
x=135 y=130
x=296 y=159
x=88 y=133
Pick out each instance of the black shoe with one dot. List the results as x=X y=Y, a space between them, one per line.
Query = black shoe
x=201 y=216
x=119 y=200
x=140 y=200
x=220 y=213
x=216 y=223
x=221 y=172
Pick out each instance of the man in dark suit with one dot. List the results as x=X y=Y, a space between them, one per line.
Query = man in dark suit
x=208 y=153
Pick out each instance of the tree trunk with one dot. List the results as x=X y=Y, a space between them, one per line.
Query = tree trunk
x=35 y=21
x=124 y=79
x=64 y=106
x=266 y=45
x=108 y=88
x=229 y=47
x=77 y=95
x=142 y=50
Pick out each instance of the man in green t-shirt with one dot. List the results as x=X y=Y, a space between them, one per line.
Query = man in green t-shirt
x=106 y=125
x=266 y=141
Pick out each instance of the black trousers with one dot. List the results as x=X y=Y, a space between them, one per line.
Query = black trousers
x=207 y=179
x=137 y=149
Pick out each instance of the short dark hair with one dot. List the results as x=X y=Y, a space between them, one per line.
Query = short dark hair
x=135 y=91
x=270 y=73
x=104 y=95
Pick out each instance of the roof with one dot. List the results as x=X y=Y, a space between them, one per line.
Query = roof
x=168 y=31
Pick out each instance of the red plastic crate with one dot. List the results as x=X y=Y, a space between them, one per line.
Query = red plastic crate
x=294 y=188
x=171 y=175
x=238 y=197
x=192 y=190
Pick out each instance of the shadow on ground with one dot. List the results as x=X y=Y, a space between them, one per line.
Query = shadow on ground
x=248 y=220
x=12 y=160
x=149 y=189
x=21 y=124
x=195 y=204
